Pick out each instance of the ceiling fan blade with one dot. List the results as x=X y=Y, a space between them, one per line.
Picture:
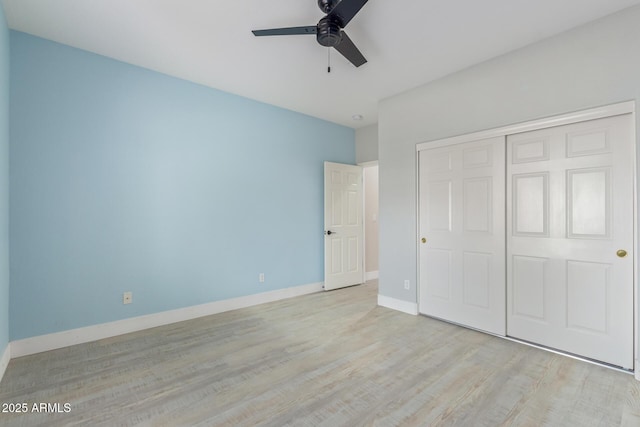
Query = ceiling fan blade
x=286 y=31
x=344 y=11
x=350 y=51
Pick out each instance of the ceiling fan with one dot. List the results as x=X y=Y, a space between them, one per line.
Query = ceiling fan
x=329 y=31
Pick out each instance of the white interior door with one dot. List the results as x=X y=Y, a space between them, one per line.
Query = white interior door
x=343 y=226
x=462 y=249
x=570 y=212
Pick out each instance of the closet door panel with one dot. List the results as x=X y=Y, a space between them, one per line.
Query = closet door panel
x=462 y=220
x=570 y=212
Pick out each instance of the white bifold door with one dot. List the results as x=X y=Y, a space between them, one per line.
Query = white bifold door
x=570 y=238
x=462 y=247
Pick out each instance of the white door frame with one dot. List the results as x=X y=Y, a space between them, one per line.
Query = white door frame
x=627 y=107
x=373 y=275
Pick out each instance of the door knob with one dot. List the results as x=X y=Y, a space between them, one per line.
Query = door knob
x=423 y=240
x=329 y=232
x=621 y=253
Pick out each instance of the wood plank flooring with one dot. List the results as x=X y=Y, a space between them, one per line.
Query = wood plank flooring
x=327 y=359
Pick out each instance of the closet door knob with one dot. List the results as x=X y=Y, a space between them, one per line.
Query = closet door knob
x=621 y=253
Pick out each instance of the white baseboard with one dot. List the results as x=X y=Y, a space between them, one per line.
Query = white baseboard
x=4 y=360
x=396 y=304
x=371 y=275
x=56 y=340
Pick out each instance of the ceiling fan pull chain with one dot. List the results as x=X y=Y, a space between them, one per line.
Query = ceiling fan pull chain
x=328 y=59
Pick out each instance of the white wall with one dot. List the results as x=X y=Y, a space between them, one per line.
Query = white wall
x=367 y=152
x=367 y=144
x=593 y=65
x=371 y=219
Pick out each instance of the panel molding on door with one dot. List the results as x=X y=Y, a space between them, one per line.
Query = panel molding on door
x=461 y=216
x=570 y=209
x=343 y=225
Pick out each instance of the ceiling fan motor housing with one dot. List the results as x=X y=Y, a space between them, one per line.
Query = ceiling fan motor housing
x=327 y=5
x=329 y=32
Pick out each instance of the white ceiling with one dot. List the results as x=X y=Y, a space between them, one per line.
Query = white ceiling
x=407 y=42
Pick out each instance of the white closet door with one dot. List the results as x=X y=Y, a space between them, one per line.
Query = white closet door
x=570 y=214
x=462 y=249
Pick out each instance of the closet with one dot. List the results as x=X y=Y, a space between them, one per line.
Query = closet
x=528 y=232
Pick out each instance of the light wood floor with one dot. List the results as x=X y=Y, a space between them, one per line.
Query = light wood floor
x=328 y=359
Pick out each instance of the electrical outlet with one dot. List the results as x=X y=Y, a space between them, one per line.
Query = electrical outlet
x=261 y=277
x=407 y=284
x=127 y=297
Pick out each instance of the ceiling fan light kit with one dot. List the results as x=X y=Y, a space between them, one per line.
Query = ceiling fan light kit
x=329 y=30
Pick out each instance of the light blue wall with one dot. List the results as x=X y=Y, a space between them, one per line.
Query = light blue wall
x=124 y=179
x=4 y=183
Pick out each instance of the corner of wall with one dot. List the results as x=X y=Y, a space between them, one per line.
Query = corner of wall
x=4 y=360
x=399 y=305
x=367 y=144
x=4 y=192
